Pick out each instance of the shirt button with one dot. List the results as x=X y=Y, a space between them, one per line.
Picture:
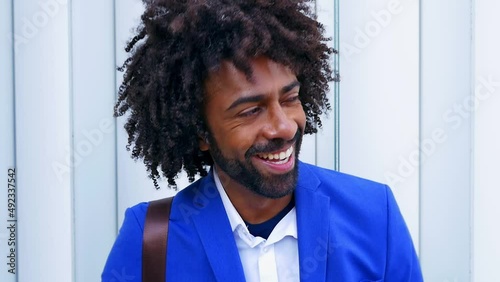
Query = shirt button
x=266 y=249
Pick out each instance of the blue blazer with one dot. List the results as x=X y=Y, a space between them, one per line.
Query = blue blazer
x=349 y=229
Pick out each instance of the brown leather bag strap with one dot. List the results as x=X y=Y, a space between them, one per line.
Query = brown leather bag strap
x=154 y=243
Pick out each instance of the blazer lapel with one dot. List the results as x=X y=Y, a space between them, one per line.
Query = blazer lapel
x=312 y=226
x=215 y=233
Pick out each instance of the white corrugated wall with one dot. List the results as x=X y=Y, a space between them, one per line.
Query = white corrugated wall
x=418 y=110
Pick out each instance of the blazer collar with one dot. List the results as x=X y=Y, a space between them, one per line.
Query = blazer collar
x=313 y=223
x=215 y=233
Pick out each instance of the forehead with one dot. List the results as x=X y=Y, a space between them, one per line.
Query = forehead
x=267 y=76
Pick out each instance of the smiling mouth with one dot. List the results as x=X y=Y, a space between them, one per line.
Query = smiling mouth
x=277 y=157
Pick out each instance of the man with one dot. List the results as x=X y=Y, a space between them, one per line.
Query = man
x=233 y=85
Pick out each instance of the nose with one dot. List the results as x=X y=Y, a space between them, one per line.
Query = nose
x=279 y=124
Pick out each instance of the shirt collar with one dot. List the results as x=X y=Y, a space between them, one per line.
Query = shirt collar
x=234 y=217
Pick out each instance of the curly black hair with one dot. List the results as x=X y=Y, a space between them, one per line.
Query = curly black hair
x=179 y=42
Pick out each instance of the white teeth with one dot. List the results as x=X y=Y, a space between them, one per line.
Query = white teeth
x=282 y=156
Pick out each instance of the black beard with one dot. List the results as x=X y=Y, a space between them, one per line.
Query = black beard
x=244 y=172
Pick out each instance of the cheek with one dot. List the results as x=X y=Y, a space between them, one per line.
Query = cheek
x=234 y=143
x=299 y=116
x=241 y=142
x=302 y=118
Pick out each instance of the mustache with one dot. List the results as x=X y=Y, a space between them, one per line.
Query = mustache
x=272 y=145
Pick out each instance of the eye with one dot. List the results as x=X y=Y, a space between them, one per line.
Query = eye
x=292 y=99
x=250 y=112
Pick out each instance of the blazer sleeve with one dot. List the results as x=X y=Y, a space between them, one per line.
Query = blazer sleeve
x=124 y=262
x=402 y=261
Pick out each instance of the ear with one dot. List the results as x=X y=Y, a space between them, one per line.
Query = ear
x=203 y=142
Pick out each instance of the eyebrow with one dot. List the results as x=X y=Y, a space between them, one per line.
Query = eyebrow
x=259 y=97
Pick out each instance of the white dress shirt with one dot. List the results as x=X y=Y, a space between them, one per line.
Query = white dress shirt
x=271 y=260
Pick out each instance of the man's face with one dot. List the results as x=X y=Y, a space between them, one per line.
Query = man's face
x=255 y=126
